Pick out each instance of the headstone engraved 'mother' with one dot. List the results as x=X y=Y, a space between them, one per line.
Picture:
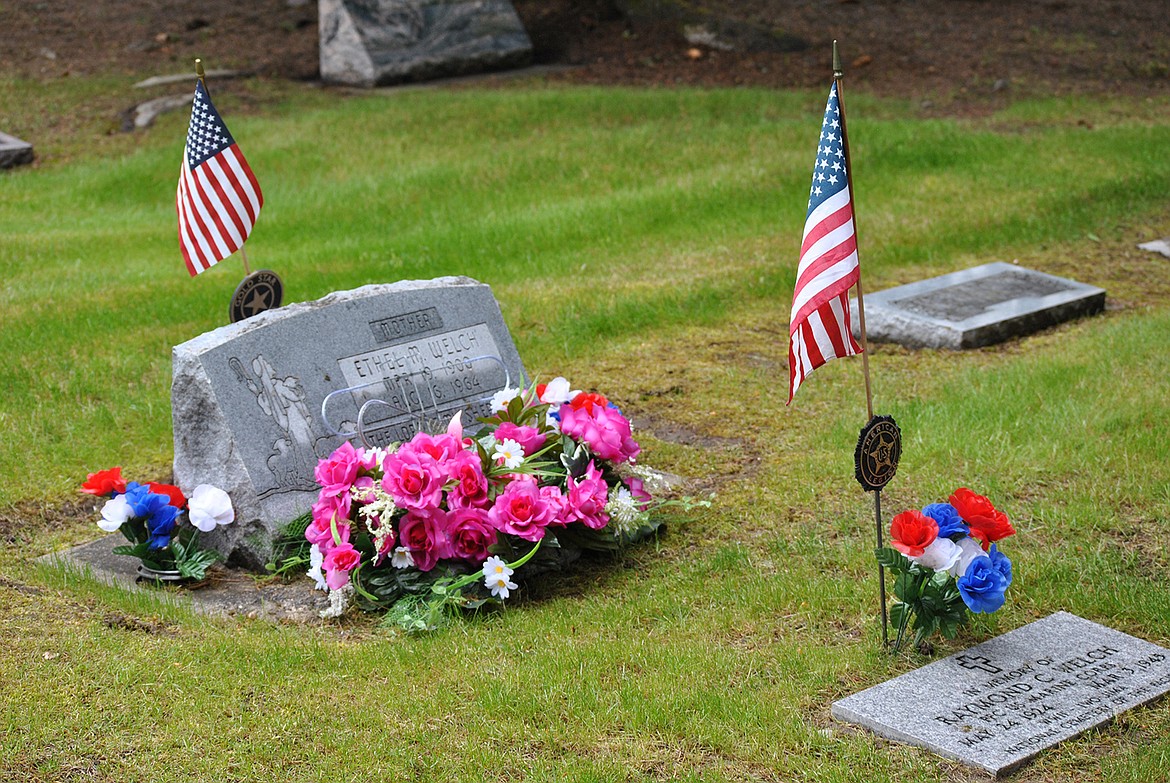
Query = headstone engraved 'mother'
x=257 y=403
x=376 y=42
x=1000 y=703
x=979 y=306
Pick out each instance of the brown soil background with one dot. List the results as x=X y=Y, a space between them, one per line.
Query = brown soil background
x=958 y=55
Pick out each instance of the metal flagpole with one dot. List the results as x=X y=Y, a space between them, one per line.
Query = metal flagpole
x=838 y=74
x=200 y=75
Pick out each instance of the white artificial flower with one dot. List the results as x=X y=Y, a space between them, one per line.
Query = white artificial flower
x=971 y=550
x=496 y=575
x=401 y=557
x=115 y=512
x=495 y=567
x=208 y=507
x=501 y=399
x=624 y=512
x=316 y=558
x=501 y=587
x=940 y=555
x=338 y=601
x=509 y=452
x=557 y=392
x=551 y=421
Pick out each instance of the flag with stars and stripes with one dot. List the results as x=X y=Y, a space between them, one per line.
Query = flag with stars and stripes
x=218 y=197
x=828 y=259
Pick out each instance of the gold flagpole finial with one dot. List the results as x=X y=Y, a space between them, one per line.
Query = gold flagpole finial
x=837 y=72
x=199 y=74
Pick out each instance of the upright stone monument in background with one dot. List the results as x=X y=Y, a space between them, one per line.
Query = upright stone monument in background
x=377 y=42
x=257 y=403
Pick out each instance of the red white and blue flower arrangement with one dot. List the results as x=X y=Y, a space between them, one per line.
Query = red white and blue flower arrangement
x=945 y=562
x=445 y=521
x=160 y=522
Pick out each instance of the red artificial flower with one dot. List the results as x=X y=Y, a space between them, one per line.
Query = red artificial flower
x=588 y=401
x=987 y=523
x=912 y=532
x=105 y=482
x=540 y=387
x=178 y=499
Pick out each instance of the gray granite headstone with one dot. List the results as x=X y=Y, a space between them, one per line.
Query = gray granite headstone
x=377 y=42
x=14 y=152
x=998 y=704
x=979 y=306
x=257 y=403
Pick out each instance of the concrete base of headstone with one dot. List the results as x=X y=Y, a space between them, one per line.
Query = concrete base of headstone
x=249 y=400
x=378 y=42
x=222 y=593
x=975 y=307
x=14 y=152
x=1000 y=703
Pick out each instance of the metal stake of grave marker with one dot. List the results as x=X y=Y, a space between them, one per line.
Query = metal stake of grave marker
x=838 y=75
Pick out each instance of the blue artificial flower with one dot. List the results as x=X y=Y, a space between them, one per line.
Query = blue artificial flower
x=160 y=518
x=1000 y=562
x=982 y=586
x=950 y=524
x=136 y=495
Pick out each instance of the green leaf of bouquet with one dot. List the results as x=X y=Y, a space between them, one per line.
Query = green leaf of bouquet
x=891 y=558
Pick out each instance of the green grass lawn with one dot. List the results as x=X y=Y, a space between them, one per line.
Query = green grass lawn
x=643 y=243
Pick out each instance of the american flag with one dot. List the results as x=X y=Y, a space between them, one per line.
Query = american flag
x=828 y=259
x=218 y=197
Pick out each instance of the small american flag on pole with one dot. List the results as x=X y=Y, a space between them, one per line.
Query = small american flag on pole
x=828 y=258
x=218 y=197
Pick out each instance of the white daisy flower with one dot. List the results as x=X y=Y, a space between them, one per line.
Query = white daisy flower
x=501 y=399
x=509 y=452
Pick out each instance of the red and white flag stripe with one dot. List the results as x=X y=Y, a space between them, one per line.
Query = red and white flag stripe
x=218 y=197
x=820 y=319
x=217 y=203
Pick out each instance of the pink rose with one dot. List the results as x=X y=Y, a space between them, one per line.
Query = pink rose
x=329 y=505
x=440 y=448
x=338 y=563
x=336 y=474
x=521 y=510
x=471 y=486
x=529 y=438
x=641 y=496
x=470 y=533
x=586 y=498
x=426 y=537
x=320 y=532
x=413 y=479
x=590 y=419
x=362 y=488
x=556 y=501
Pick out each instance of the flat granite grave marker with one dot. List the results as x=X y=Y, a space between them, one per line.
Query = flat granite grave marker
x=979 y=306
x=377 y=42
x=14 y=152
x=998 y=704
x=257 y=403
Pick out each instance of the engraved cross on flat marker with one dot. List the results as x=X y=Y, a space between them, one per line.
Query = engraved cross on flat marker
x=977 y=663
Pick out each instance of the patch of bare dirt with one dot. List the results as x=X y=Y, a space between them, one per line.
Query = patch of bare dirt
x=958 y=53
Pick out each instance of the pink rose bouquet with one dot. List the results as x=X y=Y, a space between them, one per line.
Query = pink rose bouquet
x=446 y=520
